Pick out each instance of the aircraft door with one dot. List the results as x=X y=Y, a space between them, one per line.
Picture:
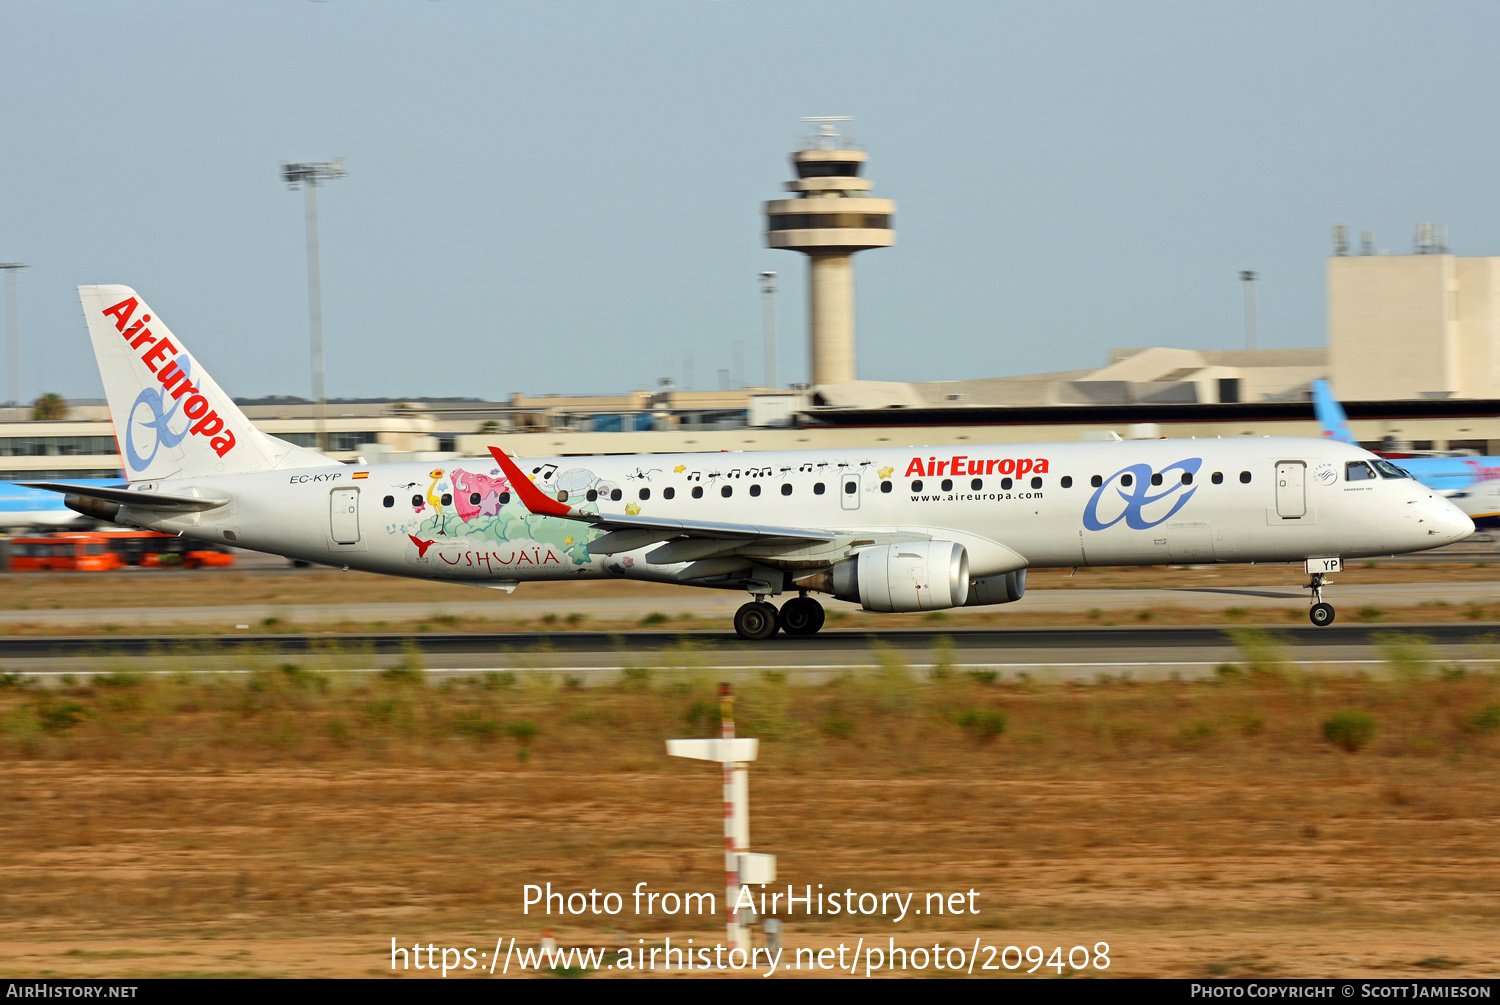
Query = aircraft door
x=1291 y=496
x=849 y=492
x=344 y=513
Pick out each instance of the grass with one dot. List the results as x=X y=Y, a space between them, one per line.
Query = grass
x=290 y=804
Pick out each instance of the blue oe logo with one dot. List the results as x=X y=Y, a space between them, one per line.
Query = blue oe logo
x=163 y=436
x=1138 y=494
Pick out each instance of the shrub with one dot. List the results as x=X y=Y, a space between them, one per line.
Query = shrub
x=983 y=723
x=654 y=618
x=1487 y=721
x=523 y=731
x=1350 y=729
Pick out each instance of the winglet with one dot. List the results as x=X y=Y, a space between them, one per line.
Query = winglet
x=532 y=497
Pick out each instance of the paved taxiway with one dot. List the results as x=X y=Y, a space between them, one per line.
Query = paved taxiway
x=1053 y=653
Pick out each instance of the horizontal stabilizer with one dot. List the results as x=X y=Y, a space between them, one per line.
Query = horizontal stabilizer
x=126 y=497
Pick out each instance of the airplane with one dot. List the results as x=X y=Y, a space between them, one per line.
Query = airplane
x=893 y=529
x=23 y=508
x=1470 y=483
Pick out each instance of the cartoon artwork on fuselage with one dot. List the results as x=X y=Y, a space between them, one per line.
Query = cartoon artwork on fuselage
x=470 y=522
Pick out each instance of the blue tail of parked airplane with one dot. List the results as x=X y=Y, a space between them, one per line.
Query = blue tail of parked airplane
x=1331 y=414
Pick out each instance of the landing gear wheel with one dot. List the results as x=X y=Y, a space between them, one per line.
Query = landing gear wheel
x=801 y=616
x=755 y=621
x=1321 y=615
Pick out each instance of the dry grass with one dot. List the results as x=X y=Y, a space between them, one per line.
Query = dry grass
x=290 y=822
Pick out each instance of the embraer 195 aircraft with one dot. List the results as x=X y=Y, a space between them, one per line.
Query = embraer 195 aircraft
x=892 y=529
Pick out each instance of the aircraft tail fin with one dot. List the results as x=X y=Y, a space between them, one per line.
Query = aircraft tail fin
x=171 y=418
x=1331 y=414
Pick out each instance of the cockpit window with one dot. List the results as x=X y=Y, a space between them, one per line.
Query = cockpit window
x=1389 y=470
x=1357 y=471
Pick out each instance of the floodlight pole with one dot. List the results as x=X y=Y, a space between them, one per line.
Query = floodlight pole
x=768 y=295
x=308 y=177
x=13 y=329
x=1248 y=278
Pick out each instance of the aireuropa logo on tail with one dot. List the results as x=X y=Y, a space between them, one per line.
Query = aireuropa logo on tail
x=176 y=379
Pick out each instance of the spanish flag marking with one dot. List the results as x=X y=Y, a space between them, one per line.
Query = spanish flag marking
x=361 y=474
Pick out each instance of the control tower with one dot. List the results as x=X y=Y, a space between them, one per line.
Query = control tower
x=830 y=218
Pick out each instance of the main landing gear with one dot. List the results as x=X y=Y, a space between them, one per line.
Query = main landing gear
x=758 y=619
x=1321 y=614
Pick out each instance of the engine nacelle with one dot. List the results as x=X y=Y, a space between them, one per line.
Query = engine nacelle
x=1006 y=588
x=919 y=576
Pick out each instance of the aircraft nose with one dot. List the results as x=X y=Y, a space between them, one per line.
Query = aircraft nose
x=1447 y=521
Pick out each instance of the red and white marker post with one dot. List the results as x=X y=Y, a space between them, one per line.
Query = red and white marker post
x=740 y=865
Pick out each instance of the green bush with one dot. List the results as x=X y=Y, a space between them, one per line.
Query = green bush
x=984 y=723
x=1350 y=729
x=1487 y=721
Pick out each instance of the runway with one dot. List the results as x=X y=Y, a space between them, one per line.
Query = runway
x=719 y=605
x=1144 y=653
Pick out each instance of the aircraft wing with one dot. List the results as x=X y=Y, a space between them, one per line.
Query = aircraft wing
x=627 y=533
x=125 y=497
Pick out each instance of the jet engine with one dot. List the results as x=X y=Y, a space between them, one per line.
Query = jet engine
x=1006 y=588
x=918 y=576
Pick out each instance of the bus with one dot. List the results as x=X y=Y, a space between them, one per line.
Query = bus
x=99 y=552
x=61 y=553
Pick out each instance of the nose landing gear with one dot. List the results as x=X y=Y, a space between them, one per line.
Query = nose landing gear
x=759 y=620
x=1321 y=614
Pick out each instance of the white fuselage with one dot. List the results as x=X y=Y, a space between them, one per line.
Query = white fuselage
x=1011 y=506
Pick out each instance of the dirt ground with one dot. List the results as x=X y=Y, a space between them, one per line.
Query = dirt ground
x=284 y=826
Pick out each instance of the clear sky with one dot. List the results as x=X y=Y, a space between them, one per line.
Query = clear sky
x=566 y=196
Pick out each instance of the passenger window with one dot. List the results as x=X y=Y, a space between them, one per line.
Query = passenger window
x=1187 y=478
x=389 y=501
x=1127 y=480
x=473 y=498
x=1357 y=471
x=1036 y=483
x=947 y=484
x=616 y=494
x=1006 y=483
x=416 y=501
x=1067 y=481
x=851 y=487
x=977 y=484
x=645 y=494
x=916 y=486
x=726 y=491
x=885 y=486
x=592 y=495
x=668 y=493
x=1096 y=481
x=1244 y=478
x=697 y=491
x=447 y=499
x=817 y=488
x=504 y=498
x=755 y=490
x=1218 y=478
x=1156 y=479
x=562 y=496
x=786 y=488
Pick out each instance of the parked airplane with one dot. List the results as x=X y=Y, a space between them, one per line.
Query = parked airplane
x=1470 y=483
x=893 y=529
x=23 y=508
